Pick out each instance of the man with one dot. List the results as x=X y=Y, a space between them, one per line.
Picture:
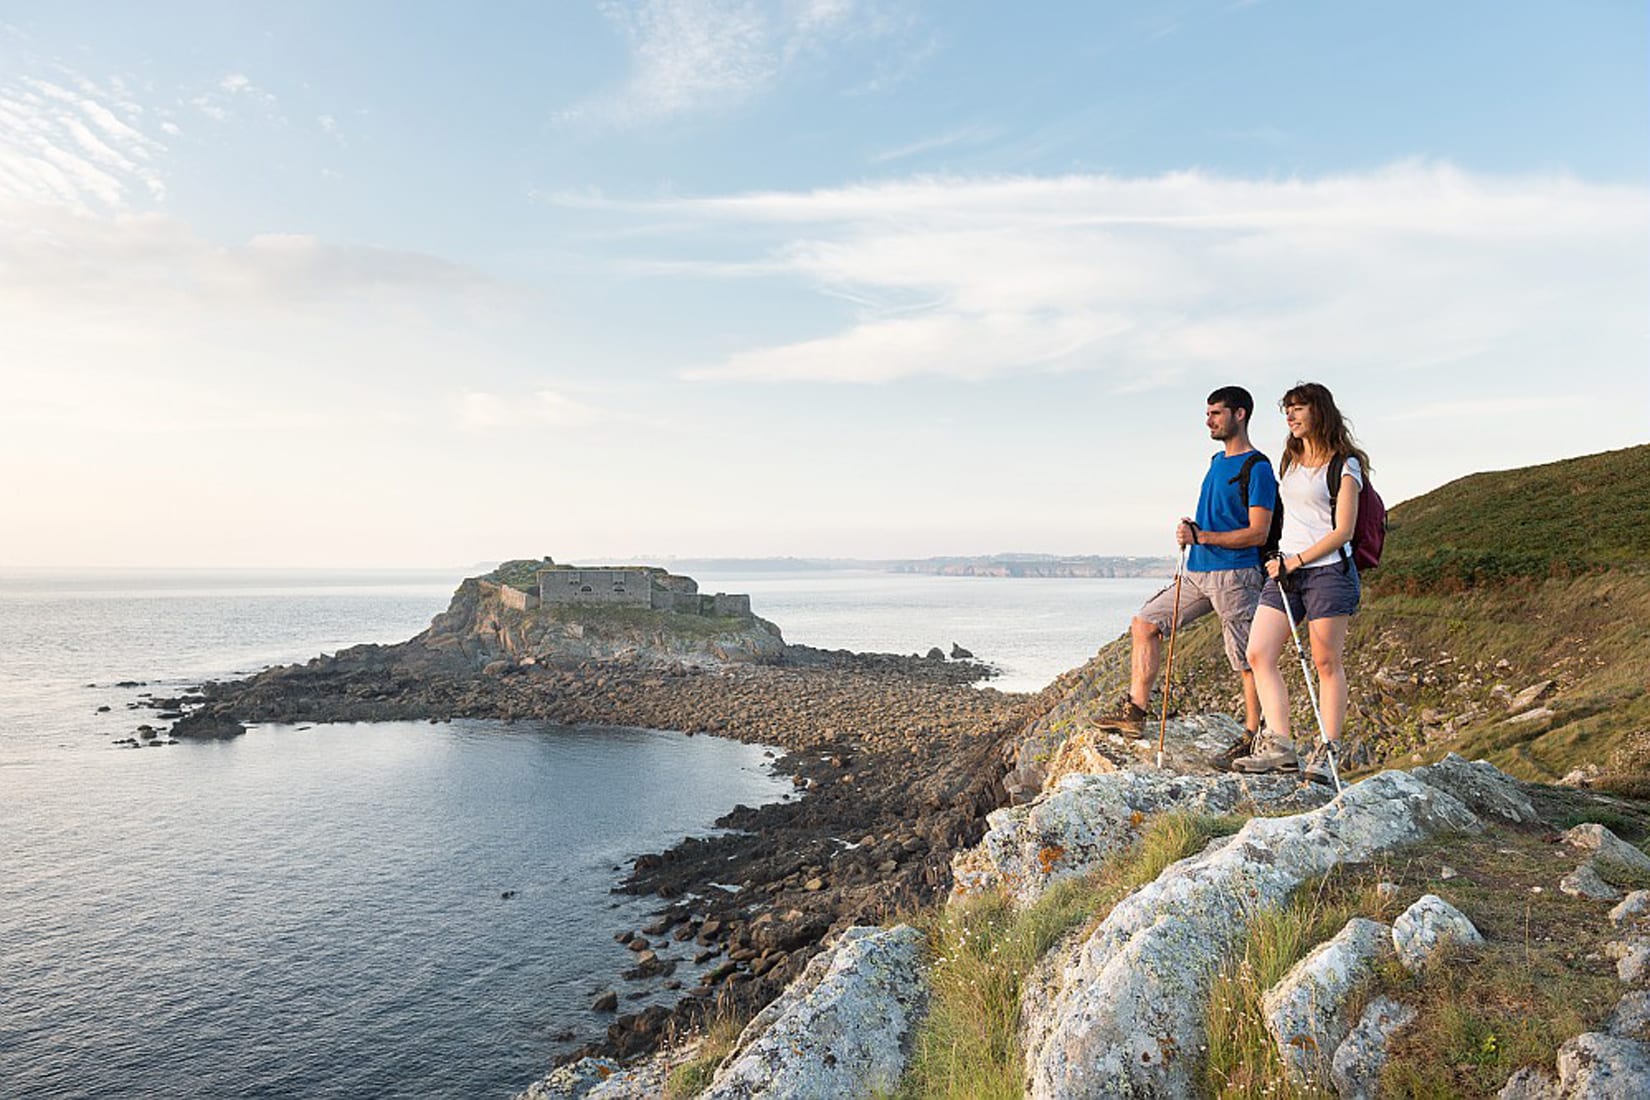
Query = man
x=1223 y=570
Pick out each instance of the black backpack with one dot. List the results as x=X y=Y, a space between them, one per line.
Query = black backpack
x=1270 y=547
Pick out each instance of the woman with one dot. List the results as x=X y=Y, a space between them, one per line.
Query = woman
x=1313 y=569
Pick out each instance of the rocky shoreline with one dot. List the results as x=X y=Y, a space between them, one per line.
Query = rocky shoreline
x=899 y=760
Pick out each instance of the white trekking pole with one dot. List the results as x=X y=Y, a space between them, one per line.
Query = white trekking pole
x=1311 y=691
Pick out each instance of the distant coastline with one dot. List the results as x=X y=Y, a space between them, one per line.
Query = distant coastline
x=980 y=565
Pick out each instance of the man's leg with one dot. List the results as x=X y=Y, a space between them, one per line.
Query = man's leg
x=1251 y=703
x=1145 y=658
x=1146 y=633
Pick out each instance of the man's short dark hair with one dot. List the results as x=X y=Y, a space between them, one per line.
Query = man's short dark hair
x=1234 y=397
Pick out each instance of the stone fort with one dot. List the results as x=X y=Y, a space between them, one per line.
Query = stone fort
x=636 y=586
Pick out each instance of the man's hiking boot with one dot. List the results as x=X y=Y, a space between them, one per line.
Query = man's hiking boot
x=1270 y=761
x=1243 y=746
x=1317 y=767
x=1124 y=718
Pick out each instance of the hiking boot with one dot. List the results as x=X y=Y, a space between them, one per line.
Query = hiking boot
x=1317 y=767
x=1243 y=746
x=1271 y=761
x=1124 y=718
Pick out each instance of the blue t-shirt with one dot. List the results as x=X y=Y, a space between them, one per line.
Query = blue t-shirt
x=1220 y=507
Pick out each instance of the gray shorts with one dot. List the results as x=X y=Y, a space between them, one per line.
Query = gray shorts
x=1229 y=593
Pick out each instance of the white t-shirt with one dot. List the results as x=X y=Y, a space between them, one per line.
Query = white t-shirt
x=1304 y=491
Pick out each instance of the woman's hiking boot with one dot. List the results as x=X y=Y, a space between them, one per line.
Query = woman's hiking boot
x=1124 y=718
x=1317 y=766
x=1243 y=746
x=1273 y=760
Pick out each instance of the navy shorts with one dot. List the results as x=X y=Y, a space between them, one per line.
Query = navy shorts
x=1325 y=592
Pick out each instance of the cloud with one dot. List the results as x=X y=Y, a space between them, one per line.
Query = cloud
x=1149 y=277
x=967 y=135
x=66 y=143
x=59 y=255
x=696 y=55
x=480 y=411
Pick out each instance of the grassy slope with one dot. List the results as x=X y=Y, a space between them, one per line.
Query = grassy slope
x=1498 y=580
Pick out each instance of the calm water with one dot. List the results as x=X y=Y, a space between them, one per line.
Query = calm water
x=318 y=911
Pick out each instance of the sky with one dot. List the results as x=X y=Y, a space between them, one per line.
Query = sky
x=414 y=284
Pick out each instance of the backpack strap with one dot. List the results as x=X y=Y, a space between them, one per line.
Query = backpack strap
x=1242 y=479
x=1337 y=466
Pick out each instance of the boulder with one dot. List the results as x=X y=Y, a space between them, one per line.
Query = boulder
x=1087 y=819
x=1132 y=995
x=1633 y=963
x=574 y=1081
x=1611 y=854
x=1584 y=882
x=1598 y=1065
x=1529 y=1083
x=1356 y=1069
x=1428 y=925
x=843 y=1028
x=1630 y=1019
x=1486 y=789
x=1634 y=910
x=1527 y=697
x=958 y=653
x=1306 y=1011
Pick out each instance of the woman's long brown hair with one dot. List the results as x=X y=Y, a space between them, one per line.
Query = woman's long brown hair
x=1330 y=430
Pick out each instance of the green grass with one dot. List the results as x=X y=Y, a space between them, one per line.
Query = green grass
x=968 y=1046
x=1241 y=1060
x=694 y=1076
x=1556 y=520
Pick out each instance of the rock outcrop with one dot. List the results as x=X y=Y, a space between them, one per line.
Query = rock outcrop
x=844 y=1028
x=1306 y=1011
x=1086 y=819
x=1130 y=1002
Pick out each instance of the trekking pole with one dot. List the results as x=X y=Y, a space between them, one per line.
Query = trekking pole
x=1306 y=674
x=1168 y=668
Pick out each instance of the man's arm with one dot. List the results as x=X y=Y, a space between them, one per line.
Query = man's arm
x=1260 y=525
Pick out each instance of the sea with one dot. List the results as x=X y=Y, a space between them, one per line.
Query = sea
x=388 y=909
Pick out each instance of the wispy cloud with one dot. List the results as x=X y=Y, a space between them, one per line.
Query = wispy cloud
x=967 y=135
x=1148 y=277
x=69 y=141
x=697 y=55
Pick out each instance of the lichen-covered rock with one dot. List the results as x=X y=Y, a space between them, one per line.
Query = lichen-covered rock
x=842 y=1029
x=1610 y=852
x=1087 y=819
x=1426 y=926
x=1529 y=1083
x=1486 y=789
x=1633 y=965
x=1630 y=1019
x=1359 y=1060
x=1585 y=882
x=1190 y=744
x=1128 y=1013
x=1633 y=912
x=1306 y=1010
x=574 y=1081
x=1603 y=1067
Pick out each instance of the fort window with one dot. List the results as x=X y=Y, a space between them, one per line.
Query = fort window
x=585 y=588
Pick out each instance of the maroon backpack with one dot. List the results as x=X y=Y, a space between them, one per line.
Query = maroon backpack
x=1369 y=533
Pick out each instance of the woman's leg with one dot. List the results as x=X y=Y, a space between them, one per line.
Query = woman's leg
x=1267 y=635
x=1328 y=644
